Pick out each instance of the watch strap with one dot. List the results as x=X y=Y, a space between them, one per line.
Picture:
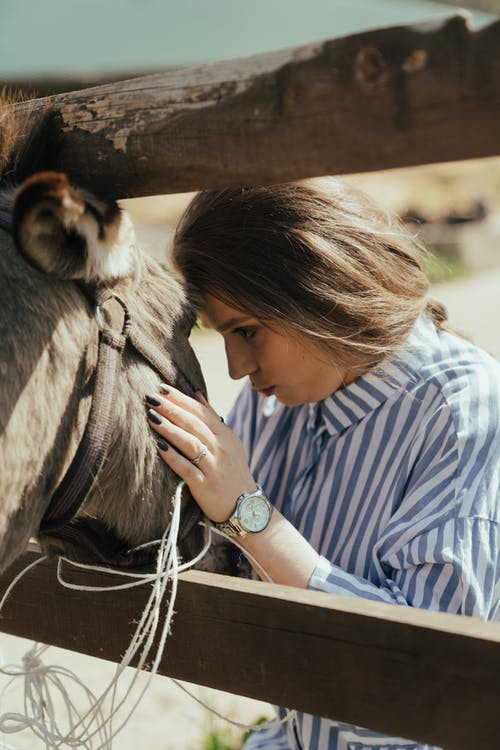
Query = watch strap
x=232 y=527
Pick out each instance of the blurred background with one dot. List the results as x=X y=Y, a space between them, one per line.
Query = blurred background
x=453 y=209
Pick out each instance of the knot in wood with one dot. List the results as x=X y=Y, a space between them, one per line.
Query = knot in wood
x=415 y=61
x=371 y=69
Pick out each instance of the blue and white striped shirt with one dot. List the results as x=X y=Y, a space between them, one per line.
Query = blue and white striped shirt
x=395 y=481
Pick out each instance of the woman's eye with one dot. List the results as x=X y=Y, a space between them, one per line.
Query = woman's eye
x=246 y=333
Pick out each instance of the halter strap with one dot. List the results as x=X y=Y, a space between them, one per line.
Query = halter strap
x=83 y=470
x=59 y=521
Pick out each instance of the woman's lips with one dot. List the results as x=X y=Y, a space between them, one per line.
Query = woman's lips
x=267 y=391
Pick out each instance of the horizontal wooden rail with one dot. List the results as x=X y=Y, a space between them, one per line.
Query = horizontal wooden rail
x=428 y=676
x=385 y=98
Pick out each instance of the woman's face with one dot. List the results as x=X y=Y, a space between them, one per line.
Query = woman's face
x=295 y=370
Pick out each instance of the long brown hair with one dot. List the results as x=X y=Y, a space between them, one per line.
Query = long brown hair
x=315 y=256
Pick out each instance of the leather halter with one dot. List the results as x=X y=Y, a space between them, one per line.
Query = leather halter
x=59 y=521
x=80 y=476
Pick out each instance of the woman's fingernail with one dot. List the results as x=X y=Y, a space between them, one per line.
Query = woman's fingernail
x=152 y=400
x=199 y=395
x=161 y=443
x=164 y=389
x=154 y=416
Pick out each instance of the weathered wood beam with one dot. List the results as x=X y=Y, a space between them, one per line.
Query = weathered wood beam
x=37 y=86
x=427 y=676
x=380 y=99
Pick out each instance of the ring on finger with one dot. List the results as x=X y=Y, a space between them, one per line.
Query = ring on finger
x=201 y=455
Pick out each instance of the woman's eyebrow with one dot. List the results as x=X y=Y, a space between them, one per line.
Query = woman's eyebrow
x=232 y=322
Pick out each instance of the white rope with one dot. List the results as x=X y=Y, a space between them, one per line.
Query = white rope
x=82 y=729
x=256 y=564
x=87 y=728
x=18 y=578
x=269 y=724
x=39 y=713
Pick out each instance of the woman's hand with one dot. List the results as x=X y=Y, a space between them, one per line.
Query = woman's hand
x=188 y=428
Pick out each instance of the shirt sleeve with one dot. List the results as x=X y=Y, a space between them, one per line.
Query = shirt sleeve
x=440 y=549
x=453 y=568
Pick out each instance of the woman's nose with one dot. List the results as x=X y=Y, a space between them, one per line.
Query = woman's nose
x=239 y=360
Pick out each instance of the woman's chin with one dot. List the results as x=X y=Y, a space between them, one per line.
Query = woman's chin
x=288 y=399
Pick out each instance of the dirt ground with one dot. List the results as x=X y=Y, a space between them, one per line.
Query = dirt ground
x=167 y=719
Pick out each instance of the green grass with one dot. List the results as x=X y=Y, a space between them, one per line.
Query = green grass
x=225 y=738
x=220 y=737
x=213 y=741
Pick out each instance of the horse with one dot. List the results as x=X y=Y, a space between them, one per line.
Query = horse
x=76 y=291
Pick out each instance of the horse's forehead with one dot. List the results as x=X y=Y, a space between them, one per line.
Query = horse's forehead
x=159 y=289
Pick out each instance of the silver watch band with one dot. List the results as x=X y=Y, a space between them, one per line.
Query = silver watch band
x=232 y=527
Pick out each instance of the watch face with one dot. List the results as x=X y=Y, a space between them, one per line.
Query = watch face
x=254 y=513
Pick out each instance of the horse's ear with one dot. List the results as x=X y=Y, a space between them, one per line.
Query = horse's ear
x=65 y=232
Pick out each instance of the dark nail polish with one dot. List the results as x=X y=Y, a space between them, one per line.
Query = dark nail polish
x=154 y=416
x=162 y=444
x=152 y=400
x=164 y=389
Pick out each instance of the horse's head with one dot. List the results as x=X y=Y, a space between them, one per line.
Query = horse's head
x=81 y=254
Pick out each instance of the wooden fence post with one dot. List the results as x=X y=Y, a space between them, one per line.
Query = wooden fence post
x=379 y=99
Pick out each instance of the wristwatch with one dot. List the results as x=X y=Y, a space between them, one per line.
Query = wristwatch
x=252 y=514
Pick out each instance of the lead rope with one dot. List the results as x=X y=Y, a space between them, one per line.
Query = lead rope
x=43 y=682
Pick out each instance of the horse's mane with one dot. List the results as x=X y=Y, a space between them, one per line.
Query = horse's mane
x=26 y=142
x=10 y=127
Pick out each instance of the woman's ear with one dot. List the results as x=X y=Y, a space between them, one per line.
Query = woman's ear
x=65 y=232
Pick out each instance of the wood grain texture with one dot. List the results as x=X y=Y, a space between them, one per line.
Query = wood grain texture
x=428 y=676
x=385 y=98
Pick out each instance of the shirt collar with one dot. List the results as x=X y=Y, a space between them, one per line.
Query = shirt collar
x=351 y=403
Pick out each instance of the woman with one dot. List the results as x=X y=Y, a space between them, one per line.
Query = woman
x=372 y=429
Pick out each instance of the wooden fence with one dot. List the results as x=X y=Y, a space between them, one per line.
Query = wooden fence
x=407 y=672
x=385 y=98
